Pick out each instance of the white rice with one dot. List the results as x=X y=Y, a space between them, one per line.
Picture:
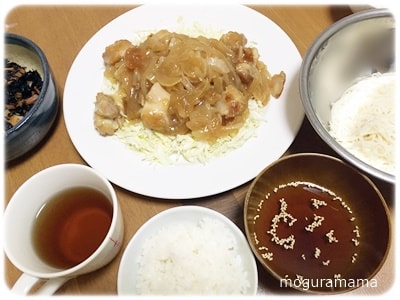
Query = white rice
x=363 y=121
x=188 y=258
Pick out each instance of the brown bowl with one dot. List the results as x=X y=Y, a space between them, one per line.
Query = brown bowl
x=317 y=224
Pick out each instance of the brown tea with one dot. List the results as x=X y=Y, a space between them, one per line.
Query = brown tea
x=71 y=226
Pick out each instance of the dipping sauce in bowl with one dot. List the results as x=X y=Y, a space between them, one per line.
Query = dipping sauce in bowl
x=317 y=224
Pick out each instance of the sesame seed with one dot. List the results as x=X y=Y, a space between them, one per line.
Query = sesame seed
x=356 y=231
x=299 y=277
x=316 y=203
x=331 y=237
x=288 y=242
x=316 y=223
x=326 y=262
x=355 y=242
x=317 y=252
x=267 y=254
x=255 y=238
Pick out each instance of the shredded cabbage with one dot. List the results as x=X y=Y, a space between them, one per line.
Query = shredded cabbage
x=164 y=149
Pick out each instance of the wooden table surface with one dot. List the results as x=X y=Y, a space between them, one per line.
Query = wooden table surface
x=61 y=31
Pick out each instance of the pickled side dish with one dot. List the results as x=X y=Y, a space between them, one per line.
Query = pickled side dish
x=22 y=89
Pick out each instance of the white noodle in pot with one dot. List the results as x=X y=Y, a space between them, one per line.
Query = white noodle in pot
x=363 y=120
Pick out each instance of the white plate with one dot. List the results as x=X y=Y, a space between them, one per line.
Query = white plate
x=128 y=269
x=125 y=168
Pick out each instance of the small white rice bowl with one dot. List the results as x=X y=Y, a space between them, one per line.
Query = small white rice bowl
x=188 y=250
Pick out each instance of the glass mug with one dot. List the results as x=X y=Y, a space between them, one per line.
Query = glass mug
x=21 y=216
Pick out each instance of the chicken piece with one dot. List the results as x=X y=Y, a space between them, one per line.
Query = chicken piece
x=107 y=118
x=154 y=113
x=246 y=72
x=106 y=107
x=232 y=104
x=116 y=51
x=276 y=84
x=134 y=57
x=204 y=122
x=234 y=40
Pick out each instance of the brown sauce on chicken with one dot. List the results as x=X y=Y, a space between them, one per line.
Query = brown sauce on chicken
x=176 y=84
